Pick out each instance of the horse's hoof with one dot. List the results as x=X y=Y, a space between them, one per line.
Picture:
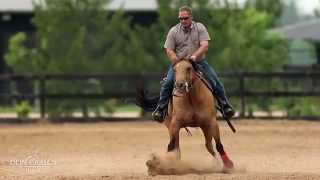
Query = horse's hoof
x=149 y=163
x=151 y=167
x=227 y=170
x=228 y=165
x=153 y=161
x=152 y=172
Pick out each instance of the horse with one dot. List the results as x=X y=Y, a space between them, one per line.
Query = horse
x=192 y=105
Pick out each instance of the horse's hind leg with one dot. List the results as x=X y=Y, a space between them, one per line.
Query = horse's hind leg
x=216 y=135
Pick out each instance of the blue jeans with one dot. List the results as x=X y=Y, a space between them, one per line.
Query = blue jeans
x=167 y=88
x=210 y=75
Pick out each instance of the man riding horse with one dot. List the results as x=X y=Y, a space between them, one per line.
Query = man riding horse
x=190 y=40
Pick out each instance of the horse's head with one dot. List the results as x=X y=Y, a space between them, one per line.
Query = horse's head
x=183 y=76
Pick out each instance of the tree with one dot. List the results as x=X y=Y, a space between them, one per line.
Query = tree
x=240 y=36
x=272 y=7
x=81 y=36
x=78 y=36
x=19 y=56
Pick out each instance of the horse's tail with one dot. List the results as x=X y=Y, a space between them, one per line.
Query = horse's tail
x=145 y=101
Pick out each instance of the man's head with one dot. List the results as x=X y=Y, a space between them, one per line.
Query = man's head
x=185 y=16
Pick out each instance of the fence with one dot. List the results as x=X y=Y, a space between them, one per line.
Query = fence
x=250 y=92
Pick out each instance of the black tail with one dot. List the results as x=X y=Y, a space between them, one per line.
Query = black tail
x=145 y=101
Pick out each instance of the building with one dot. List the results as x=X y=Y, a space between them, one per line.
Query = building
x=304 y=44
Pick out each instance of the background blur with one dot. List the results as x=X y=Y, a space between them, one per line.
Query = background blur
x=83 y=59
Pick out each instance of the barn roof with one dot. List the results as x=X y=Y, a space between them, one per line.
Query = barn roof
x=306 y=30
x=128 y=5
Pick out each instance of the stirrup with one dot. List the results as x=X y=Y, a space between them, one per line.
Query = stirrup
x=158 y=114
x=229 y=113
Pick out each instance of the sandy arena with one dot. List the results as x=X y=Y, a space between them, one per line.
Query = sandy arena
x=260 y=150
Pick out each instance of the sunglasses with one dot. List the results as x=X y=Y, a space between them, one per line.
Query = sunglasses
x=183 y=18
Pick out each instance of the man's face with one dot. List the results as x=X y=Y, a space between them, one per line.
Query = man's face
x=185 y=19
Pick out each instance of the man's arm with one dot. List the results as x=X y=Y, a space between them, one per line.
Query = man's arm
x=172 y=56
x=204 y=39
x=170 y=45
x=203 y=49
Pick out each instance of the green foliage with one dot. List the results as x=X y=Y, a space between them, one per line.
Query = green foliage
x=77 y=36
x=110 y=106
x=81 y=36
x=272 y=7
x=240 y=40
x=18 y=56
x=74 y=36
x=240 y=37
x=23 y=109
x=300 y=106
x=242 y=43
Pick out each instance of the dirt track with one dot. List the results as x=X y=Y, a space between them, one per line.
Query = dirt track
x=263 y=149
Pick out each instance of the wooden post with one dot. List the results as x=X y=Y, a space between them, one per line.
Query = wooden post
x=85 y=111
x=42 y=96
x=242 y=96
x=141 y=84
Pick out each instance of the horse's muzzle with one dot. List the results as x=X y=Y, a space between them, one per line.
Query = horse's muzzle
x=181 y=87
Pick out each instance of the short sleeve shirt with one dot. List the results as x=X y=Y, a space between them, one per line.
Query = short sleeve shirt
x=185 y=43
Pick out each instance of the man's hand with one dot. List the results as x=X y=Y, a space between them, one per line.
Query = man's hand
x=203 y=49
x=193 y=58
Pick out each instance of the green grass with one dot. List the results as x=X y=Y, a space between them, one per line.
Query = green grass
x=6 y=109
x=127 y=108
x=122 y=108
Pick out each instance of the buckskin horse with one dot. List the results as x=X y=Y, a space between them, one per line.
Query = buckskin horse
x=191 y=106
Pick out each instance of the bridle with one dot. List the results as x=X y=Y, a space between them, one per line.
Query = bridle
x=183 y=87
x=180 y=89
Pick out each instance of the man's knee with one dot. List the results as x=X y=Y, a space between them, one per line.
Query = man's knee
x=168 y=83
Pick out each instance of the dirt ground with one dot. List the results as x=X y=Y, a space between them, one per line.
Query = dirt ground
x=119 y=150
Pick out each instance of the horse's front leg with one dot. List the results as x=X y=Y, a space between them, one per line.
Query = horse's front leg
x=227 y=162
x=208 y=134
x=174 y=129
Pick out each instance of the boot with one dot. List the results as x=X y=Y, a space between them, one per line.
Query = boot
x=159 y=113
x=227 y=111
x=226 y=108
